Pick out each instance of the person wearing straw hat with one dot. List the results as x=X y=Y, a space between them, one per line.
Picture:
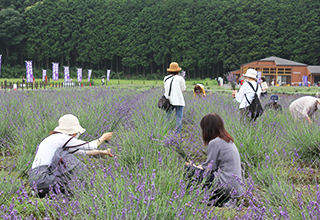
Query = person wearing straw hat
x=55 y=162
x=304 y=107
x=246 y=93
x=174 y=85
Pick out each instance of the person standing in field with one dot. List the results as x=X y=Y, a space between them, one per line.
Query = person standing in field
x=175 y=85
x=54 y=164
x=222 y=169
x=246 y=92
x=264 y=86
x=199 y=91
x=304 y=107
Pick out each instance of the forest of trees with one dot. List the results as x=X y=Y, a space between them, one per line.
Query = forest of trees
x=141 y=37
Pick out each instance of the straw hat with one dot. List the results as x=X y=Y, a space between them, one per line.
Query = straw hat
x=251 y=73
x=174 y=67
x=69 y=124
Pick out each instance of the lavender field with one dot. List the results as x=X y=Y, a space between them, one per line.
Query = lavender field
x=145 y=180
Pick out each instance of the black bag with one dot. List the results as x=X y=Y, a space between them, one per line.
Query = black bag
x=164 y=103
x=255 y=109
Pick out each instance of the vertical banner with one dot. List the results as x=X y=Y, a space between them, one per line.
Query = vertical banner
x=0 y=64
x=108 y=75
x=29 y=71
x=55 y=71
x=79 y=71
x=44 y=73
x=89 y=75
x=66 y=73
x=259 y=75
x=305 y=80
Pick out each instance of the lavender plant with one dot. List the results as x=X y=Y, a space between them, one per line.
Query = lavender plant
x=145 y=180
x=232 y=79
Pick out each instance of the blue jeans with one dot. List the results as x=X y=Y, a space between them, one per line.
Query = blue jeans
x=179 y=114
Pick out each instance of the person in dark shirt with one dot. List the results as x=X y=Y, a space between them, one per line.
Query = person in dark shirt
x=273 y=105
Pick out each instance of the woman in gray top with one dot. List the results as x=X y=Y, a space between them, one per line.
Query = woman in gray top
x=304 y=107
x=223 y=160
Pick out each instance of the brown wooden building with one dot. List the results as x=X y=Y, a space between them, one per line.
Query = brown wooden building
x=280 y=71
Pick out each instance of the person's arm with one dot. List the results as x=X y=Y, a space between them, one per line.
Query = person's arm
x=99 y=152
x=183 y=84
x=240 y=95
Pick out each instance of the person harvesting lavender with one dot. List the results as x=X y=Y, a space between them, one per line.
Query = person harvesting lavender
x=55 y=163
x=199 y=91
x=174 y=85
x=304 y=107
x=223 y=162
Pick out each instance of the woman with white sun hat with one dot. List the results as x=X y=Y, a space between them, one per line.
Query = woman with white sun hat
x=246 y=93
x=55 y=160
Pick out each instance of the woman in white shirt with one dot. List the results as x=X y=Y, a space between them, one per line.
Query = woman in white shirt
x=264 y=86
x=63 y=139
x=246 y=93
x=174 y=85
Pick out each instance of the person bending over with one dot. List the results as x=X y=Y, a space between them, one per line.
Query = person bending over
x=304 y=107
x=55 y=163
x=199 y=91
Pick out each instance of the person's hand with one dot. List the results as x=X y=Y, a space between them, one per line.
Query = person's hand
x=309 y=120
x=234 y=92
x=106 y=136
x=107 y=152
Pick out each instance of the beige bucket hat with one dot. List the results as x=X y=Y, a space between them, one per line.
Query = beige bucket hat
x=69 y=124
x=174 y=67
x=251 y=73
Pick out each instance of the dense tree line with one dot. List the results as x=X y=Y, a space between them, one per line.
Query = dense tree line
x=207 y=37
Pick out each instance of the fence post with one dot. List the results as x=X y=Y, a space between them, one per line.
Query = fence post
x=5 y=85
x=32 y=86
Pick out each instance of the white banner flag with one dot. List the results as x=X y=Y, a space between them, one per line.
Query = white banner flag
x=79 y=71
x=44 y=73
x=29 y=71
x=89 y=75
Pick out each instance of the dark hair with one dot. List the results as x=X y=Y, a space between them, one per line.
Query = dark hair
x=212 y=126
x=197 y=88
x=263 y=78
x=174 y=73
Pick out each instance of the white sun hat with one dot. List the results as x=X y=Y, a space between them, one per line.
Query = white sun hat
x=251 y=73
x=69 y=124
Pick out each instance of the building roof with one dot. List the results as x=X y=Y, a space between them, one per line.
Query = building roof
x=314 y=69
x=283 y=62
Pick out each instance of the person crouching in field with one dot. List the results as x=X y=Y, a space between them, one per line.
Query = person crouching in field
x=199 y=91
x=273 y=105
x=54 y=164
x=174 y=85
x=304 y=107
x=223 y=164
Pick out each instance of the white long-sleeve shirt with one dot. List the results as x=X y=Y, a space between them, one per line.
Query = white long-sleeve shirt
x=178 y=86
x=246 y=89
x=49 y=145
x=303 y=107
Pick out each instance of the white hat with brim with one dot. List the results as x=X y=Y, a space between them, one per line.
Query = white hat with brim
x=69 y=124
x=251 y=73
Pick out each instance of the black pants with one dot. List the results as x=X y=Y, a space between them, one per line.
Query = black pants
x=196 y=176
